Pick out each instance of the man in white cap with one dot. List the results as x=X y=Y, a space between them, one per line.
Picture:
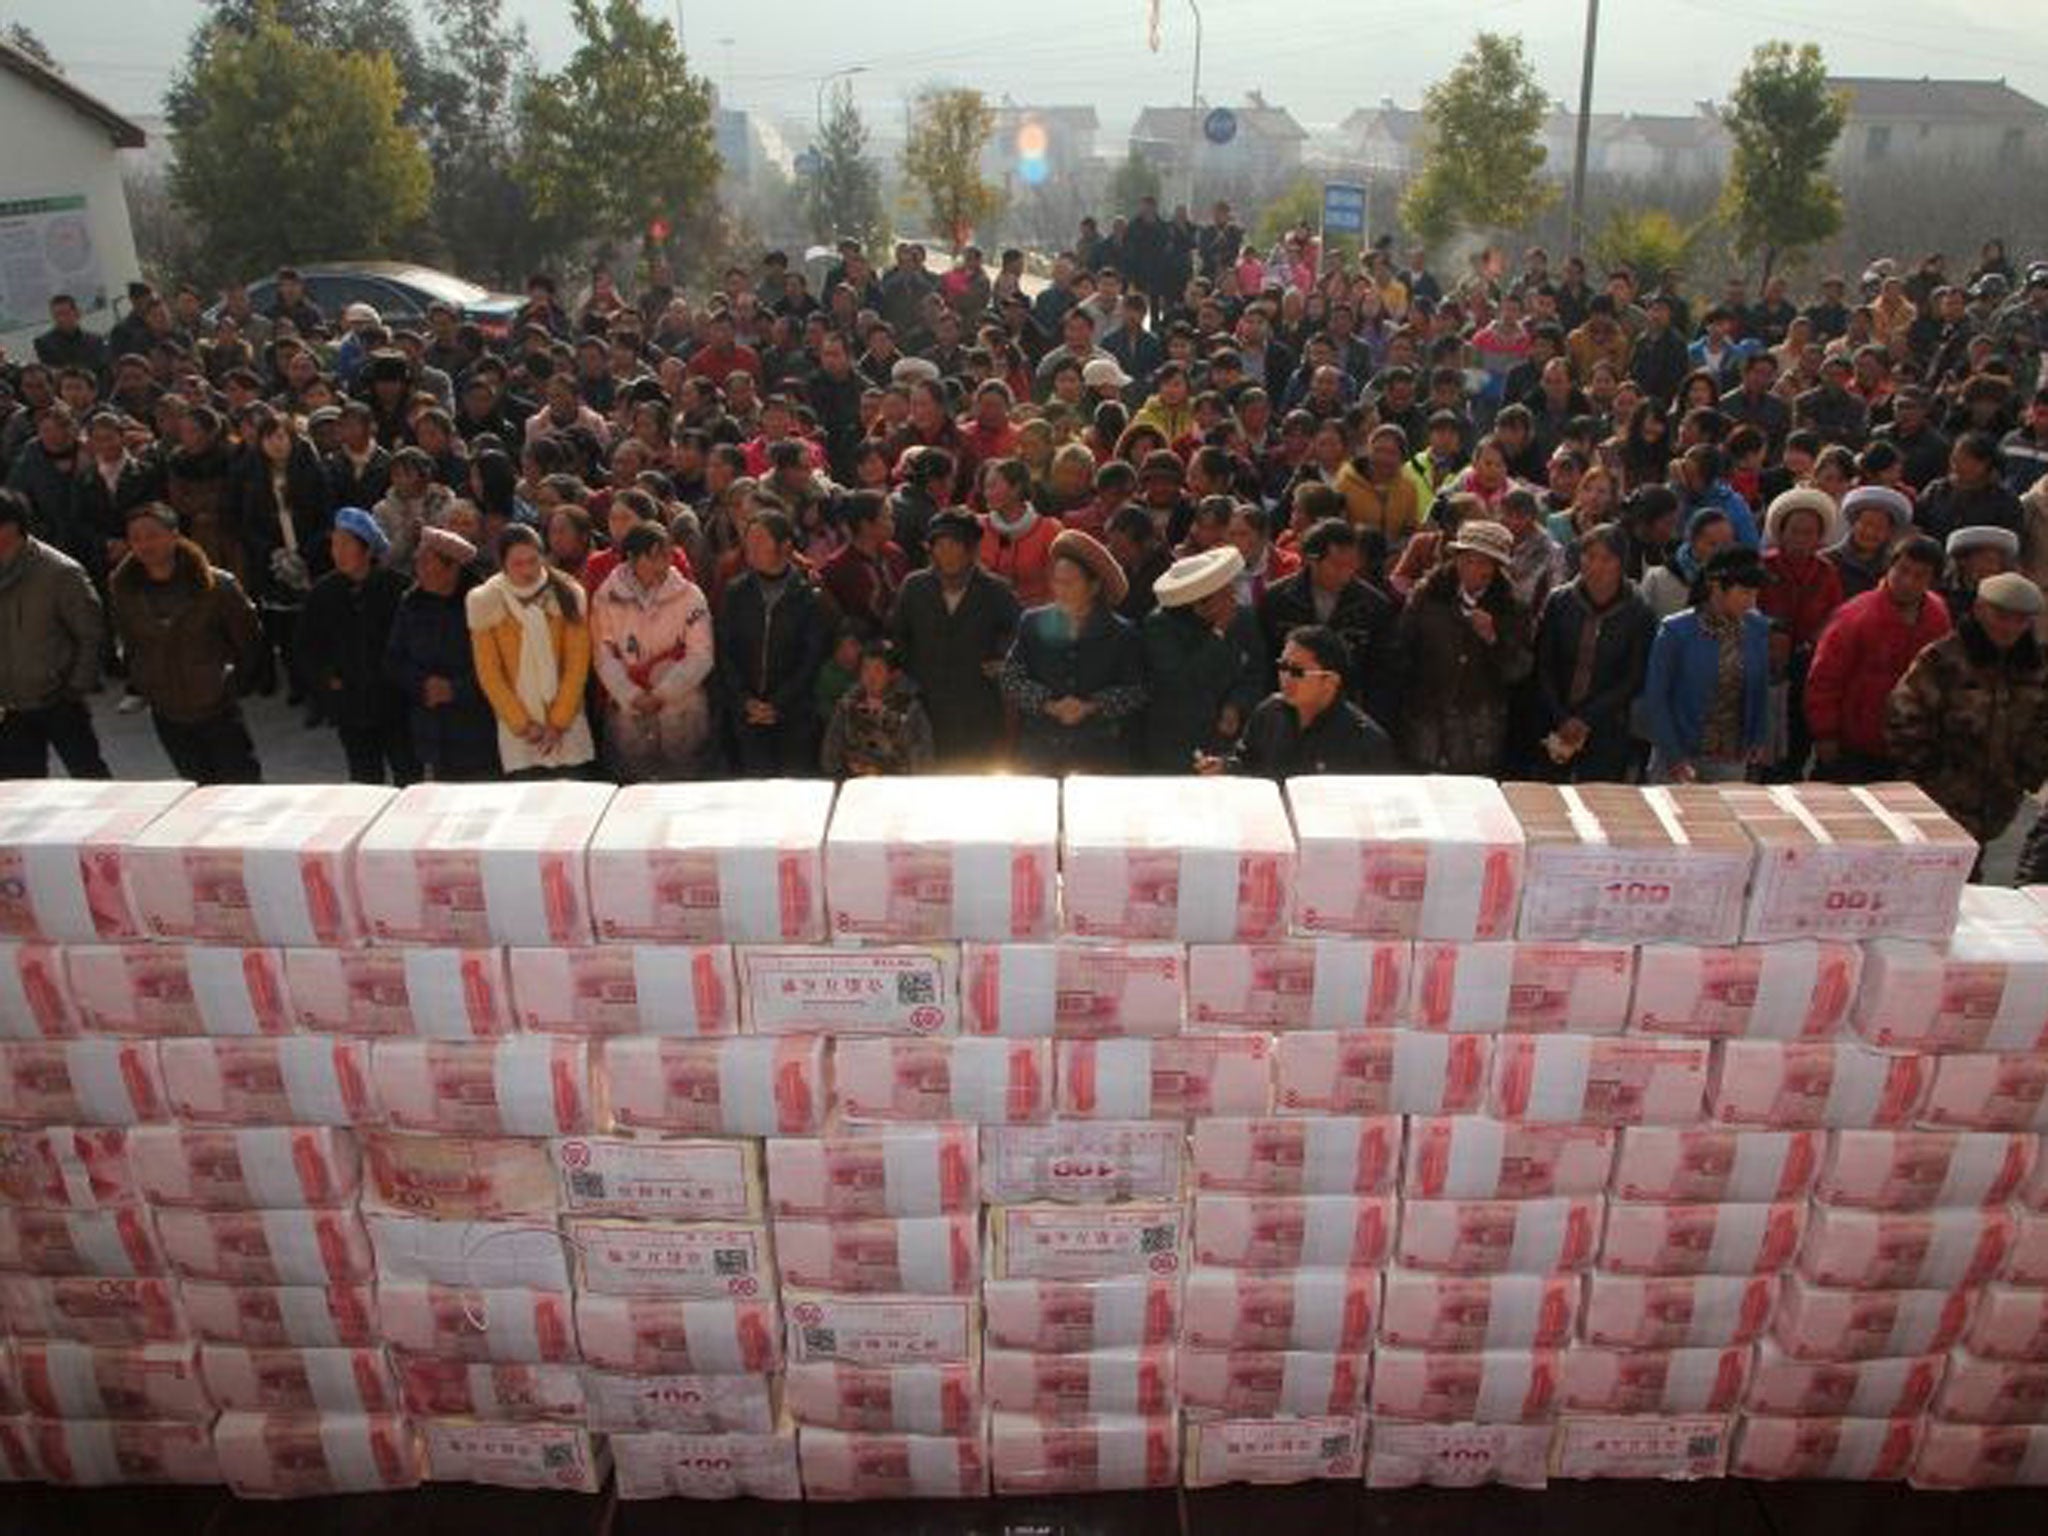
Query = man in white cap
x=1969 y=721
x=1205 y=661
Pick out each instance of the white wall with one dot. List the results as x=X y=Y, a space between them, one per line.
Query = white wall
x=54 y=150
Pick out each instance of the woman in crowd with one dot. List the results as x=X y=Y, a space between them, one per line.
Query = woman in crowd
x=1076 y=672
x=1486 y=478
x=1466 y=641
x=1705 y=699
x=1875 y=517
x=1800 y=595
x=651 y=646
x=569 y=539
x=1668 y=587
x=279 y=497
x=531 y=639
x=1592 y=652
x=1645 y=456
x=1016 y=539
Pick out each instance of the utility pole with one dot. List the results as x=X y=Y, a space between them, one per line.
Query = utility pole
x=1194 y=109
x=1576 y=234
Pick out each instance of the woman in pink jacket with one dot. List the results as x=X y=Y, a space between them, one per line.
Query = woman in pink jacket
x=650 y=631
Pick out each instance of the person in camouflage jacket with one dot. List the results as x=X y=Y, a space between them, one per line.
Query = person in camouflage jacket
x=1968 y=722
x=879 y=725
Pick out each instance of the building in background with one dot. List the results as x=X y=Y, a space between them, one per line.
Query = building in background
x=63 y=217
x=1691 y=146
x=1925 y=124
x=1264 y=153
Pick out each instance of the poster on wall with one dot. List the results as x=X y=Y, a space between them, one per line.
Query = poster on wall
x=46 y=247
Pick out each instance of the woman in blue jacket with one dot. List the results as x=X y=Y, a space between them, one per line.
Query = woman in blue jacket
x=1704 y=703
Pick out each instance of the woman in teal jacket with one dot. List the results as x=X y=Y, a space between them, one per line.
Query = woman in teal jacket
x=1704 y=702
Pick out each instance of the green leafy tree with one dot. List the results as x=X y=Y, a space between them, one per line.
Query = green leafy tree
x=844 y=195
x=1784 y=121
x=1300 y=203
x=943 y=157
x=288 y=151
x=1481 y=144
x=619 y=142
x=1134 y=178
x=482 y=217
x=336 y=26
x=1645 y=240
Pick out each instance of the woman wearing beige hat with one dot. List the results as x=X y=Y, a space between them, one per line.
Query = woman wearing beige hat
x=1466 y=641
x=1076 y=671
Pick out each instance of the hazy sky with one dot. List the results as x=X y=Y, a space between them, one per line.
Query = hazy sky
x=1320 y=58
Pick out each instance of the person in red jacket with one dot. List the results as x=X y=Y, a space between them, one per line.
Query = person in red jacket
x=1862 y=654
x=863 y=577
x=1802 y=594
x=1016 y=540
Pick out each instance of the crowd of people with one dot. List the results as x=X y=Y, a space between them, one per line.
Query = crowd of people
x=1184 y=506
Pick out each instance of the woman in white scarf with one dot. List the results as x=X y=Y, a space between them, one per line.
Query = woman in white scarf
x=531 y=636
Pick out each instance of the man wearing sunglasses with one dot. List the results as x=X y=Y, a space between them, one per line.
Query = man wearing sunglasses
x=1308 y=726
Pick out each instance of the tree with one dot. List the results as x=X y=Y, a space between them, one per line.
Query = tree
x=482 y=216
x=1481 y=143
x=335 y=26
x=943 y=156
x=1784 y=121
x=1300 y=203
x=619 y=142
x=1134 y=178
x=288 y=151
x=1645 y=240
x=844 y=196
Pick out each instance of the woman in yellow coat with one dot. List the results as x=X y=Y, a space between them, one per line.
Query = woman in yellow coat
x=530 y=632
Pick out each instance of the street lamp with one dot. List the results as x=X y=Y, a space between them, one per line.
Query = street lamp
x=825 y=80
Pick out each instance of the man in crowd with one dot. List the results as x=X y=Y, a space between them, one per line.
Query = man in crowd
x=952 y=626
x=432 y=663
x=1308 y=726
x=1968 y=722
x=50 y=661
x=772 y=639
x=344 y=634
x=1205 y=659
x=193 y=644
x=1862 y=655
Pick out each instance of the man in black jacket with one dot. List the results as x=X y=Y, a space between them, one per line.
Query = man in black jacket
x=343 y=634
x=192 y=640
x=772 y=638
x=1329 y=591
x=952 y=627
x=432 y=664
x=67 y=344
x=1308 y=726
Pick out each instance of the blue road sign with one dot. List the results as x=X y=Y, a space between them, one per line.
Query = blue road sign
x=1343 y=208
x=1220 y=126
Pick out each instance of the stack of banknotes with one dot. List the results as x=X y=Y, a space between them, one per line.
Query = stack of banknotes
x=934 y=1138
